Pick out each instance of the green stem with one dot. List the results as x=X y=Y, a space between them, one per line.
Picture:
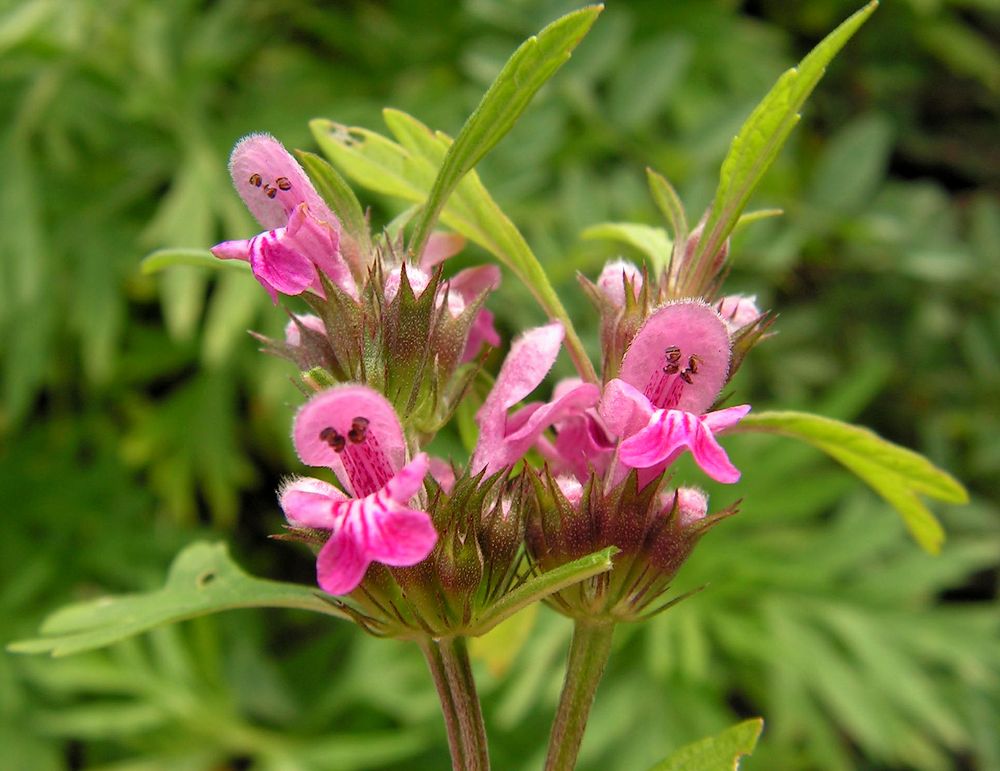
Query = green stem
x=440 y=677
x=588 y=655
x=448 y=660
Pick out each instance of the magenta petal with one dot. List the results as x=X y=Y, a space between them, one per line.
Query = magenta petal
x=481 y=331
x=667 y=431
x=341 y=563
x=318 y=242
x=309 y=502
x=336 y=408
x=272 y=183
x=440 y=246
x=529 y=361
x=624 y=408
x=720 y=420
x=408 y=480
x=710 y=456
x=582 y=445
x=571 y=403
x=525 y=427
x=399 y=536
x=470 y=283
x=530 y=358
x=232 y=250
x=278 y=266
x=443 y=473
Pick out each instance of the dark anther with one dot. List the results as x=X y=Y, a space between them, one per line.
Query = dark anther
x=673 y=354
x=671 y=369
x=255 y=180
x=686 y=377
x=283 y=183
x=693 y=362
x=332 y=437
x=359 y=430
x=269 y=191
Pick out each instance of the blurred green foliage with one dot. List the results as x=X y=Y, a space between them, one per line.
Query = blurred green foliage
x=135 y=412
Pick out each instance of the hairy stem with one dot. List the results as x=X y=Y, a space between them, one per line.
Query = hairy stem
x=448 y=661
x=588 y=655
x=440 y=677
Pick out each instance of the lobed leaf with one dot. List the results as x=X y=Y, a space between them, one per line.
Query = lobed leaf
x=721 y=752
x=203 y=579
x=897 y=474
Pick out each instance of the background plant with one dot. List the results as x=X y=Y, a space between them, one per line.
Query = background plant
x=146 y=402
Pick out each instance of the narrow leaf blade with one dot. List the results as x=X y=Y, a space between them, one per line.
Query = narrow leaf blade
x=541 y=586
x=532 y=64
x=764 y=133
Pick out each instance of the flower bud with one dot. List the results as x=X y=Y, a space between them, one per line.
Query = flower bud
x=738 y=310
x=655 y=534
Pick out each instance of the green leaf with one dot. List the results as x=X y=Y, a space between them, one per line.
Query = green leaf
x=669 y=204
x=897 y=474
x=532 y=64
x=721 y=752
x=161 y=259
x=653 y=242
x=203 y=579
x=407 y=171
x=764 y=133
x=756 y=216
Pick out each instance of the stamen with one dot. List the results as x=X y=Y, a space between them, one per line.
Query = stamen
x=359 y=430
x=664 y=390
x=269 y=191
x=365 y=463
x=283 y=183
x=255 y=179
x=332 y=437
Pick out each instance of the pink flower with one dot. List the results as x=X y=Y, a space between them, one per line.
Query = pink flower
x=354 y=431
x=671 y=374
x=582 y=444
x=302 y=236
x=503 y=438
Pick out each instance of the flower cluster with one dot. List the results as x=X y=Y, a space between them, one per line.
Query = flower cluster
x=410 y=543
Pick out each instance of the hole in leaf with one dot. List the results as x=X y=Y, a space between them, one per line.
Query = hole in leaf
x=206 y=578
